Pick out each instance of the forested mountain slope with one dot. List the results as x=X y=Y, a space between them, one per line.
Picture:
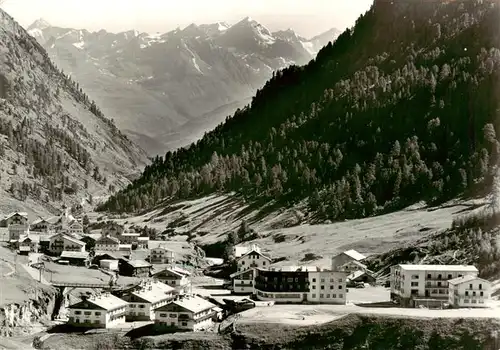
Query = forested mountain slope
x=55 y=144
x=399 y=109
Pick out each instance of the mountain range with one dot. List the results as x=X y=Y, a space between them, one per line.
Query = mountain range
x=56 y=145
x=166 y=90
x=402 y=108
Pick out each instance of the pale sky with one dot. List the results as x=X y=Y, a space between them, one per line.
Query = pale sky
x=306 y=17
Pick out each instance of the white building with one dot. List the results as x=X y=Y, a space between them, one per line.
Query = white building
x=17 y=224
x=327 y=287
x=175 y=277
x=243 y=281
x=74 y=227
x=161 y=255
x=253 y=259
x=340 y=260
x=129 y=237
x=107 y=243
x=187 y=312
x=414 y=285
x=61 y=242
x=102 y=311
x=41 y=225
x=144 y=301
x=108 y=264
x=240 y=250
x=468 y=291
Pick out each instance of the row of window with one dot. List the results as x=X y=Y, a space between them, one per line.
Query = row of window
x=78 y=312
x=323 y=287
x=473 y=301
x=322 y=296
x=296 y=279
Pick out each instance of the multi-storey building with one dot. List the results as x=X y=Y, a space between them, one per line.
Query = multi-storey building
x=17 y=224
x=74 y=227
x=175 y=277
x=413 y=285
x=327 y=287
x=134 y=268
x=187 y=312
x=107 y=243
x=41 y=225
x=129 y=237
x=253 y=259
x=102 y=311
x=241 y=249
x=143 y=302
x=161 y=255
x=61 y=242
x=243 y=281
x=468 y=291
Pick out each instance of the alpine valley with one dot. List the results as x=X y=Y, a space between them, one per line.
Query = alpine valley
x=165 y=90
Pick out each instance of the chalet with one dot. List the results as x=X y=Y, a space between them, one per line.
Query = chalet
x=144 y=301
x=74 y=227
x=129 y=237
x=345 y=257
x=469 y=291
x=174 y=277
x=187 y=312
x=134 y=268
x=41 y=225
x=76 y=258
x=253 y=259
x=142 y=242
x=161 y=255
x=61 y=242
x=107 y=243
x=361 y=277
x=243 y=281
x=28 y=245
x=103 y=311
x=102 y=255
x=17 y=224
x=240 y=250
x=113 y=229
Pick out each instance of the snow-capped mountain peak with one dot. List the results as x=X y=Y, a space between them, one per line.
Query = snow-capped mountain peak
x=40 y=24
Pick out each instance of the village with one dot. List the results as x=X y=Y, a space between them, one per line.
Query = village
x=145 y=284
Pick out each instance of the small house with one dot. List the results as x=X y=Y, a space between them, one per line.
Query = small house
x=134 y=268
x=75 y=258
x=17 y=224
x=107 y=243
x=174 y=277
x=62 y=242
x=161 y=255
x=346 y=257
x=253 y=259
x=468 y=291
x=361 y=277
x=143 y=301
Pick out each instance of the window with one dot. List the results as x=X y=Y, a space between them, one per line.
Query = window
x=331 y=287
x=332 y=280
x=322 y=287
x=481 y=294
x=470 y=286
x=173 y=315
x=322 y=280
x=340 y=280
x=466 y=293
x=341 y=296
x=328 y=296
x=334 y=296
x=473 y=294
x=163 y=315
x=414 y=284
x=314 y=287
x=321 y=296
x=439 y=284
x=414 y=277
x=466 y=301
x=429 y=276
x=314 y=279
x=97 y=321
x=184 y=324
x=263 y=263
x=314 y=295
x=480 y=286
x=340 y=287
x=97 y=313
x=450 y=276
x=78 y=312
x=439 y=276
x=474 y=301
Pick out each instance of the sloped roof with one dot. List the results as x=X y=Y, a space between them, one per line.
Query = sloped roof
x=253 y=251
x=104 y=301
x=154 y=292
x=355 y=255
x=240 y=273
x=75 y=255
x=39 y=221
x=456 y=268
x=138 y=263
x=69 y=238
x=466 y=279
x=194 y=304
x=24 y=214
x=357 y=274
x=108 y=238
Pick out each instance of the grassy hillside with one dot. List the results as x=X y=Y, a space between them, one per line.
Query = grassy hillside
x=399 y=109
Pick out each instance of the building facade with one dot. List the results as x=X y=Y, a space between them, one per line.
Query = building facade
x=161 y=255
x=103 y=311
x=17 y=224
x=469 y=291
x=143 y=302
x=253 y=259
x=107 y=243
x=282 y=285
x=75 y=227
x=187 y=312
x=175 y=278
x=41 y=225
x=412 y=285
x=61 y=242
x=341 y=261
x=327 y=287
x=243 y=281
x=76 y=258
x=134 y=268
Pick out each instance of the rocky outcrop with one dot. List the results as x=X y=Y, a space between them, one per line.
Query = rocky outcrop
x=22 y=318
